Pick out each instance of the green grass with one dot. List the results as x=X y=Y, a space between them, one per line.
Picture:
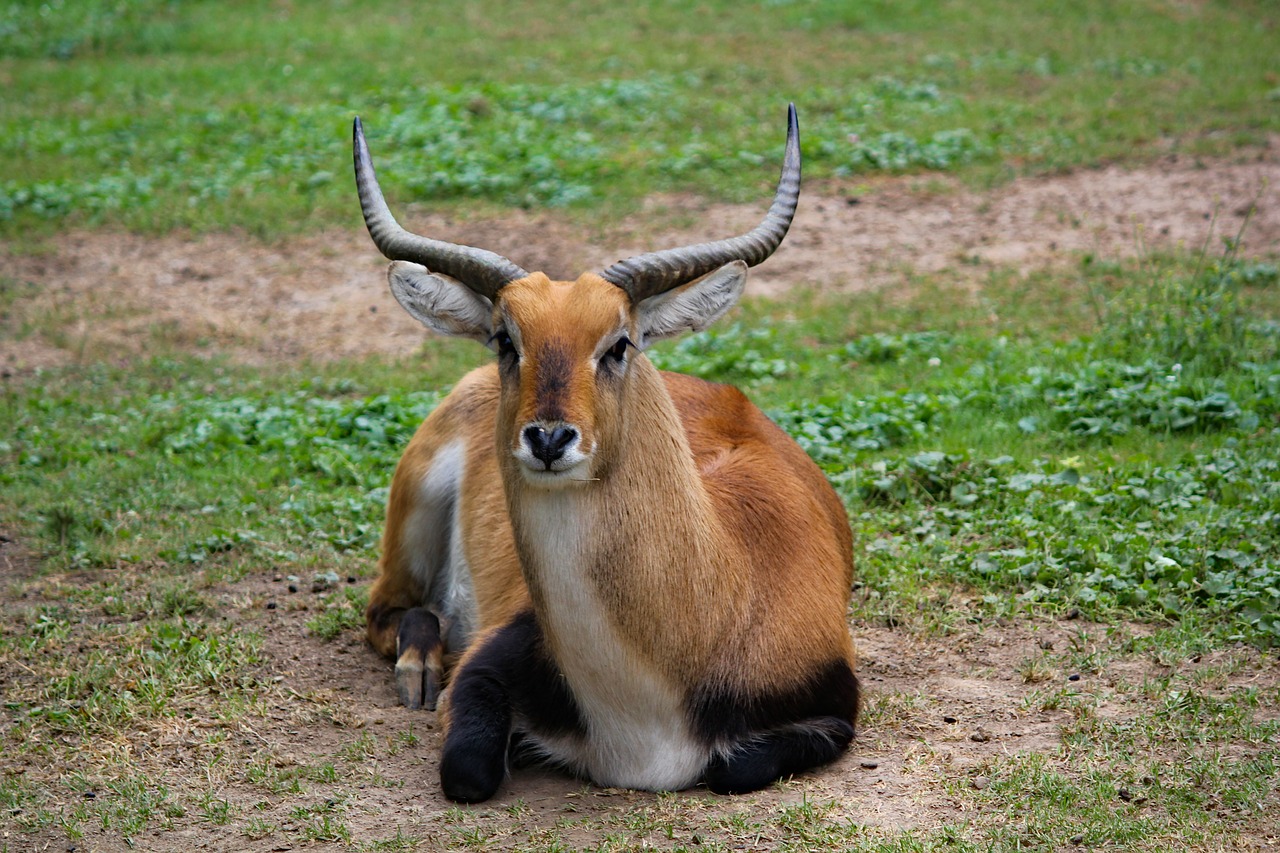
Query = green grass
x=1164 y=516
x=993 y=469
x=1095 y=443
x=155 y=115
x=1130 y=473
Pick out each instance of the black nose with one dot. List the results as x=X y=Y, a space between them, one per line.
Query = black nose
x=549 y=446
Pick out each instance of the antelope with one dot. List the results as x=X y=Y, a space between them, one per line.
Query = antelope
x=632 y=574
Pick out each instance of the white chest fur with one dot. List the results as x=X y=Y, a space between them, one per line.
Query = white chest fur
x=637 y=731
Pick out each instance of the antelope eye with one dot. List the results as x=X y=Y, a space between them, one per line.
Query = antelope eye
x=618 y=351
x=505 y=345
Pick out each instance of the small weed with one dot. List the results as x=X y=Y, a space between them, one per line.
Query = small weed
x=216 y=811
x=326 y=827
x=1036 y=670
x=404 y=739
x=342 y=612
x=399 y=841
x=363 y=748
x=257 y=827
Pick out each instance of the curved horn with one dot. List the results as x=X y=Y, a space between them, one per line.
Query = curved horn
x=483 y=271
x=656 y=272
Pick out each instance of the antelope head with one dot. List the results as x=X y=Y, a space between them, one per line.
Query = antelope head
x=568 y=350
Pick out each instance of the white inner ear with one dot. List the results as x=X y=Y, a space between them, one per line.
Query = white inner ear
x=691 y=307
x=441 y=303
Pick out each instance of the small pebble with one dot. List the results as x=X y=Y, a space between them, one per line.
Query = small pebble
x=979 y=782
x=1077 y=839
x=1046 y=644
x=90 y=795
x=869 y=765
x=980 y=736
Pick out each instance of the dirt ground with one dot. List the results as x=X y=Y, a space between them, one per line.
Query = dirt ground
x=940 y=714
x=98 y=295
x=939 y=711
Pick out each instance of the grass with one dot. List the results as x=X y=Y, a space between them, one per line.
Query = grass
x=990 y=475
x=154 y=115
x=964 y=455
x=1080 y=461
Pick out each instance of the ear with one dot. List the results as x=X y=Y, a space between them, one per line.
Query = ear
x=441 y=303
x=691 y=307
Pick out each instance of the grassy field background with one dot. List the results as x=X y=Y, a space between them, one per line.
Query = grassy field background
x=1078 y=459
x=157 y=114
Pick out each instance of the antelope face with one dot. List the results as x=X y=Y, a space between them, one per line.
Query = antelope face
x=566 y=352
x=563 y=352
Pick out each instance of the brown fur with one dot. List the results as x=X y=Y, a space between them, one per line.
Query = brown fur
x=720 y=549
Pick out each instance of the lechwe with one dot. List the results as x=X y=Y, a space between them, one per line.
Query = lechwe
x=639 y=576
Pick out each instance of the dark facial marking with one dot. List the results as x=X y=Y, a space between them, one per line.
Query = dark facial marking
x=555 y=367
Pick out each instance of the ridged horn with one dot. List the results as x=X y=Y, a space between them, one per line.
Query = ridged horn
x=656 y=272
x=483 y=271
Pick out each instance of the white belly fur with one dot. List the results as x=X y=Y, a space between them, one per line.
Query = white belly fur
x=637 y=732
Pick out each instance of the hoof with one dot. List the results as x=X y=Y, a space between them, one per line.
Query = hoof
x=417 y=686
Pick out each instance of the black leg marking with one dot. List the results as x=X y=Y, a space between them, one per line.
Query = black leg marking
x=511 y=674
x=378 y=616
x=773 y=755
x=475 y=750
x=418 y=659
x=729 y=716
x=776 y=735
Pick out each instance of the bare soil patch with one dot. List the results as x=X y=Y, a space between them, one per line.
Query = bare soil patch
x=111 y=295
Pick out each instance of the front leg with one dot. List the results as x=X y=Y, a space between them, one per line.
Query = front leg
x=475 y=745
x=507 y=676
